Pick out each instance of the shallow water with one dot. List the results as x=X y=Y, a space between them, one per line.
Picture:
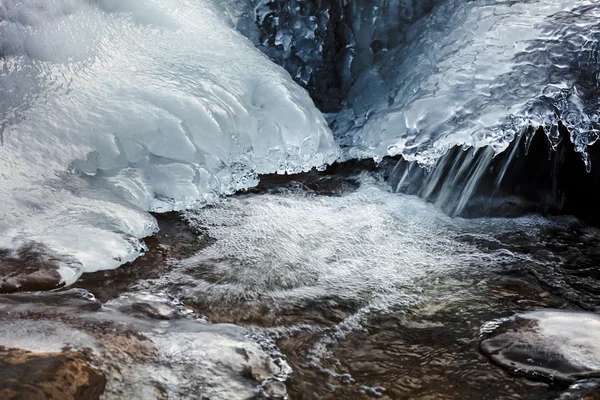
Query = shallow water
x=364 y=292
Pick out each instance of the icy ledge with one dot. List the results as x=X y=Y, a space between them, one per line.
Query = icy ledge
x=110 y=109
x=477 y=74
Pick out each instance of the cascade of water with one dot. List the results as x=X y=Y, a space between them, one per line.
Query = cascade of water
x=533 y=174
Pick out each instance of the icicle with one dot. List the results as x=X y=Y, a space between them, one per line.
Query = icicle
x=587 y=161
x=513 y=153
x=554 y=137
x=529 y=138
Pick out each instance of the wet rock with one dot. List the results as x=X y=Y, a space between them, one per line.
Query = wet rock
x=48 y=376
x=588 y=389
x=32 y=268
x=556 y=345
x=147 y=345
x=275 y=390
x=175 y=240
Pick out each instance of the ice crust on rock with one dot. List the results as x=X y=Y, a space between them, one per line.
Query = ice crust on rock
x=110 y=109
x=478 y=73
x=556 y=344
x=148 y=345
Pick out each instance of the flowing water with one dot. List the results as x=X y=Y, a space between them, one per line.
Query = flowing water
x=372 y=303
x=181 y=219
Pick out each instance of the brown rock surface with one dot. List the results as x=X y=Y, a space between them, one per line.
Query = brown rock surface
x=48 y=376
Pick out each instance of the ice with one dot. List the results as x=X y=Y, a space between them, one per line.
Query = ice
x=477 y=73
x=110 y=109
x=326 y=44
x=147 y=345
x=43 y=336
x=560 y=345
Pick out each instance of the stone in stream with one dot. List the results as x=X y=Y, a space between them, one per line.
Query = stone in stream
x=32 y=268
x=558 y=345
x=63 y=375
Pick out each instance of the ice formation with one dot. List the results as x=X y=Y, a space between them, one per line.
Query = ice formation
x=110 y=109
x=478 y=73
x=561 y=345
x=326 y=44
x=147 y=345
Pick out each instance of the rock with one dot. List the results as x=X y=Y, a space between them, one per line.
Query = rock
x=583 y=390
x=32 y=268
x=557 y=345
x=47 y=376
x=275 y=390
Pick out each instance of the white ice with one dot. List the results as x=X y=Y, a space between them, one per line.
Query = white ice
x=574 y=335
x=110 y=109
x=477 y=73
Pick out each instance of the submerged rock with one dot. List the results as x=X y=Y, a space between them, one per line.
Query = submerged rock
x=558 y=345
x=588 y=389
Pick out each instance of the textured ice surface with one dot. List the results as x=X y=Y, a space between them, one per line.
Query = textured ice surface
x=147 y=345
x=109 y=109
x=477 y=73
x=43 y=336
x=326 y=44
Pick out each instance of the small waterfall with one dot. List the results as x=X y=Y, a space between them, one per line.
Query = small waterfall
x=532 y=174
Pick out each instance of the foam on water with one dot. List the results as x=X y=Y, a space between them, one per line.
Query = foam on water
x=364 y=252
x=478 y=73
x=368 y=244
x=110 y=109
